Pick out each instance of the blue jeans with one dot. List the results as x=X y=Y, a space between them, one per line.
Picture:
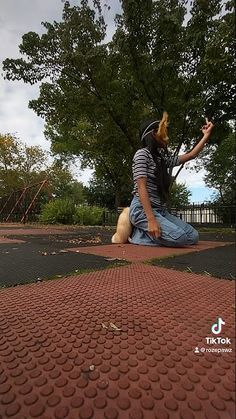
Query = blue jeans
x=174 y=232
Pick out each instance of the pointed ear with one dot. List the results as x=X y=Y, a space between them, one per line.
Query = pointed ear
x=162 y=129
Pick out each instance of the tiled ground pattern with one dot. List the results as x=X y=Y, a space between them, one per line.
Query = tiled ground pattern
x=21 y=264
x=31 y=231
x=219 y=262
x=136 y=253
x=58 y=361
x=6 y=240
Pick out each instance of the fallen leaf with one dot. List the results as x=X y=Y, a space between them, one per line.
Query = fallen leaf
x=207 y=273
x=113 y=326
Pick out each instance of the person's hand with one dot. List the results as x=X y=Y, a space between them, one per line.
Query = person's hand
x=207 y=128
x=154 y=228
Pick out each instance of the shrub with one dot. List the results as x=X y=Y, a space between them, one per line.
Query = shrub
x=85 y=215
x=60 y=211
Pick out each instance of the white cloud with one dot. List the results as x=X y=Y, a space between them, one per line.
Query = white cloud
x=16 y=117
x=191 y=178
x=16 y=19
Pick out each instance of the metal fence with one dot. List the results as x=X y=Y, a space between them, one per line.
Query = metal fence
x=199 y=214
x=25 y=205
x=207 y=214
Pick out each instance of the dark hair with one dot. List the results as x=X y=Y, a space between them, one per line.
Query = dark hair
x=163 y=179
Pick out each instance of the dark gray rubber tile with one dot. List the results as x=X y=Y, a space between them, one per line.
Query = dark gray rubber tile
x=56 y=241
x=217 y=236
x=41 y=256
x=218 y=262
x=29 y=262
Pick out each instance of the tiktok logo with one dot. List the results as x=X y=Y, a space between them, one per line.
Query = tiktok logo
x=216 y=327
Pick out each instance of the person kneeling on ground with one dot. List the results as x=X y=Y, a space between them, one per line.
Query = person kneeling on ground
x=152 y=165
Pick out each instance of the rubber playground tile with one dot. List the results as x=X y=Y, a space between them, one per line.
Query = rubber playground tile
x=219 y=262
x=59 y=238
x=4 y=240
x=137 y=253
x=31 y=231
x=25 y=263
x=217 y=236
x=105 y=233
x=58 y=241
x=119 y=343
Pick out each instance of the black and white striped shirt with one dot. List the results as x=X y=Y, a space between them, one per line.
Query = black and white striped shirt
x=144 y=166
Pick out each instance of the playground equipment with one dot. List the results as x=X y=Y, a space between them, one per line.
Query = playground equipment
x=23 y=203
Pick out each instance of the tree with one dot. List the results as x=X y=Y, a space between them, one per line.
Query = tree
x=62 y=184
x=101 y=192
x=20 y=165
x=179 y=196
x=220 y=167
x=93 y=94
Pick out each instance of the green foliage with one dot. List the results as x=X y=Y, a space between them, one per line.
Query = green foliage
x=65 y=211
x=220 y=166
x=60 y=211
x=93 y=94
x=86 y=215
x=20 y=165
x=179 y=195
x=62 y=184
x=102 y=192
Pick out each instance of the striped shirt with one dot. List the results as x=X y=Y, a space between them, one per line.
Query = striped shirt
x=144 y=166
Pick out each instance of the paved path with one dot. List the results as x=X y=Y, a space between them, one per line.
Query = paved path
x=124 y=343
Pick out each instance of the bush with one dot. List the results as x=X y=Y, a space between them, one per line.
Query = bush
x=60 y=211
x=85 y=215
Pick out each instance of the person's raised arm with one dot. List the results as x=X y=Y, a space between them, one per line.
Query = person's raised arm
x=206 y=130
x=153 y=225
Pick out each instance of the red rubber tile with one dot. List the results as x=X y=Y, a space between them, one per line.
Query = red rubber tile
x=61 y=358
x=136 y=253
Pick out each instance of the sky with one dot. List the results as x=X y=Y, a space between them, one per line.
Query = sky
x=18 y=17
